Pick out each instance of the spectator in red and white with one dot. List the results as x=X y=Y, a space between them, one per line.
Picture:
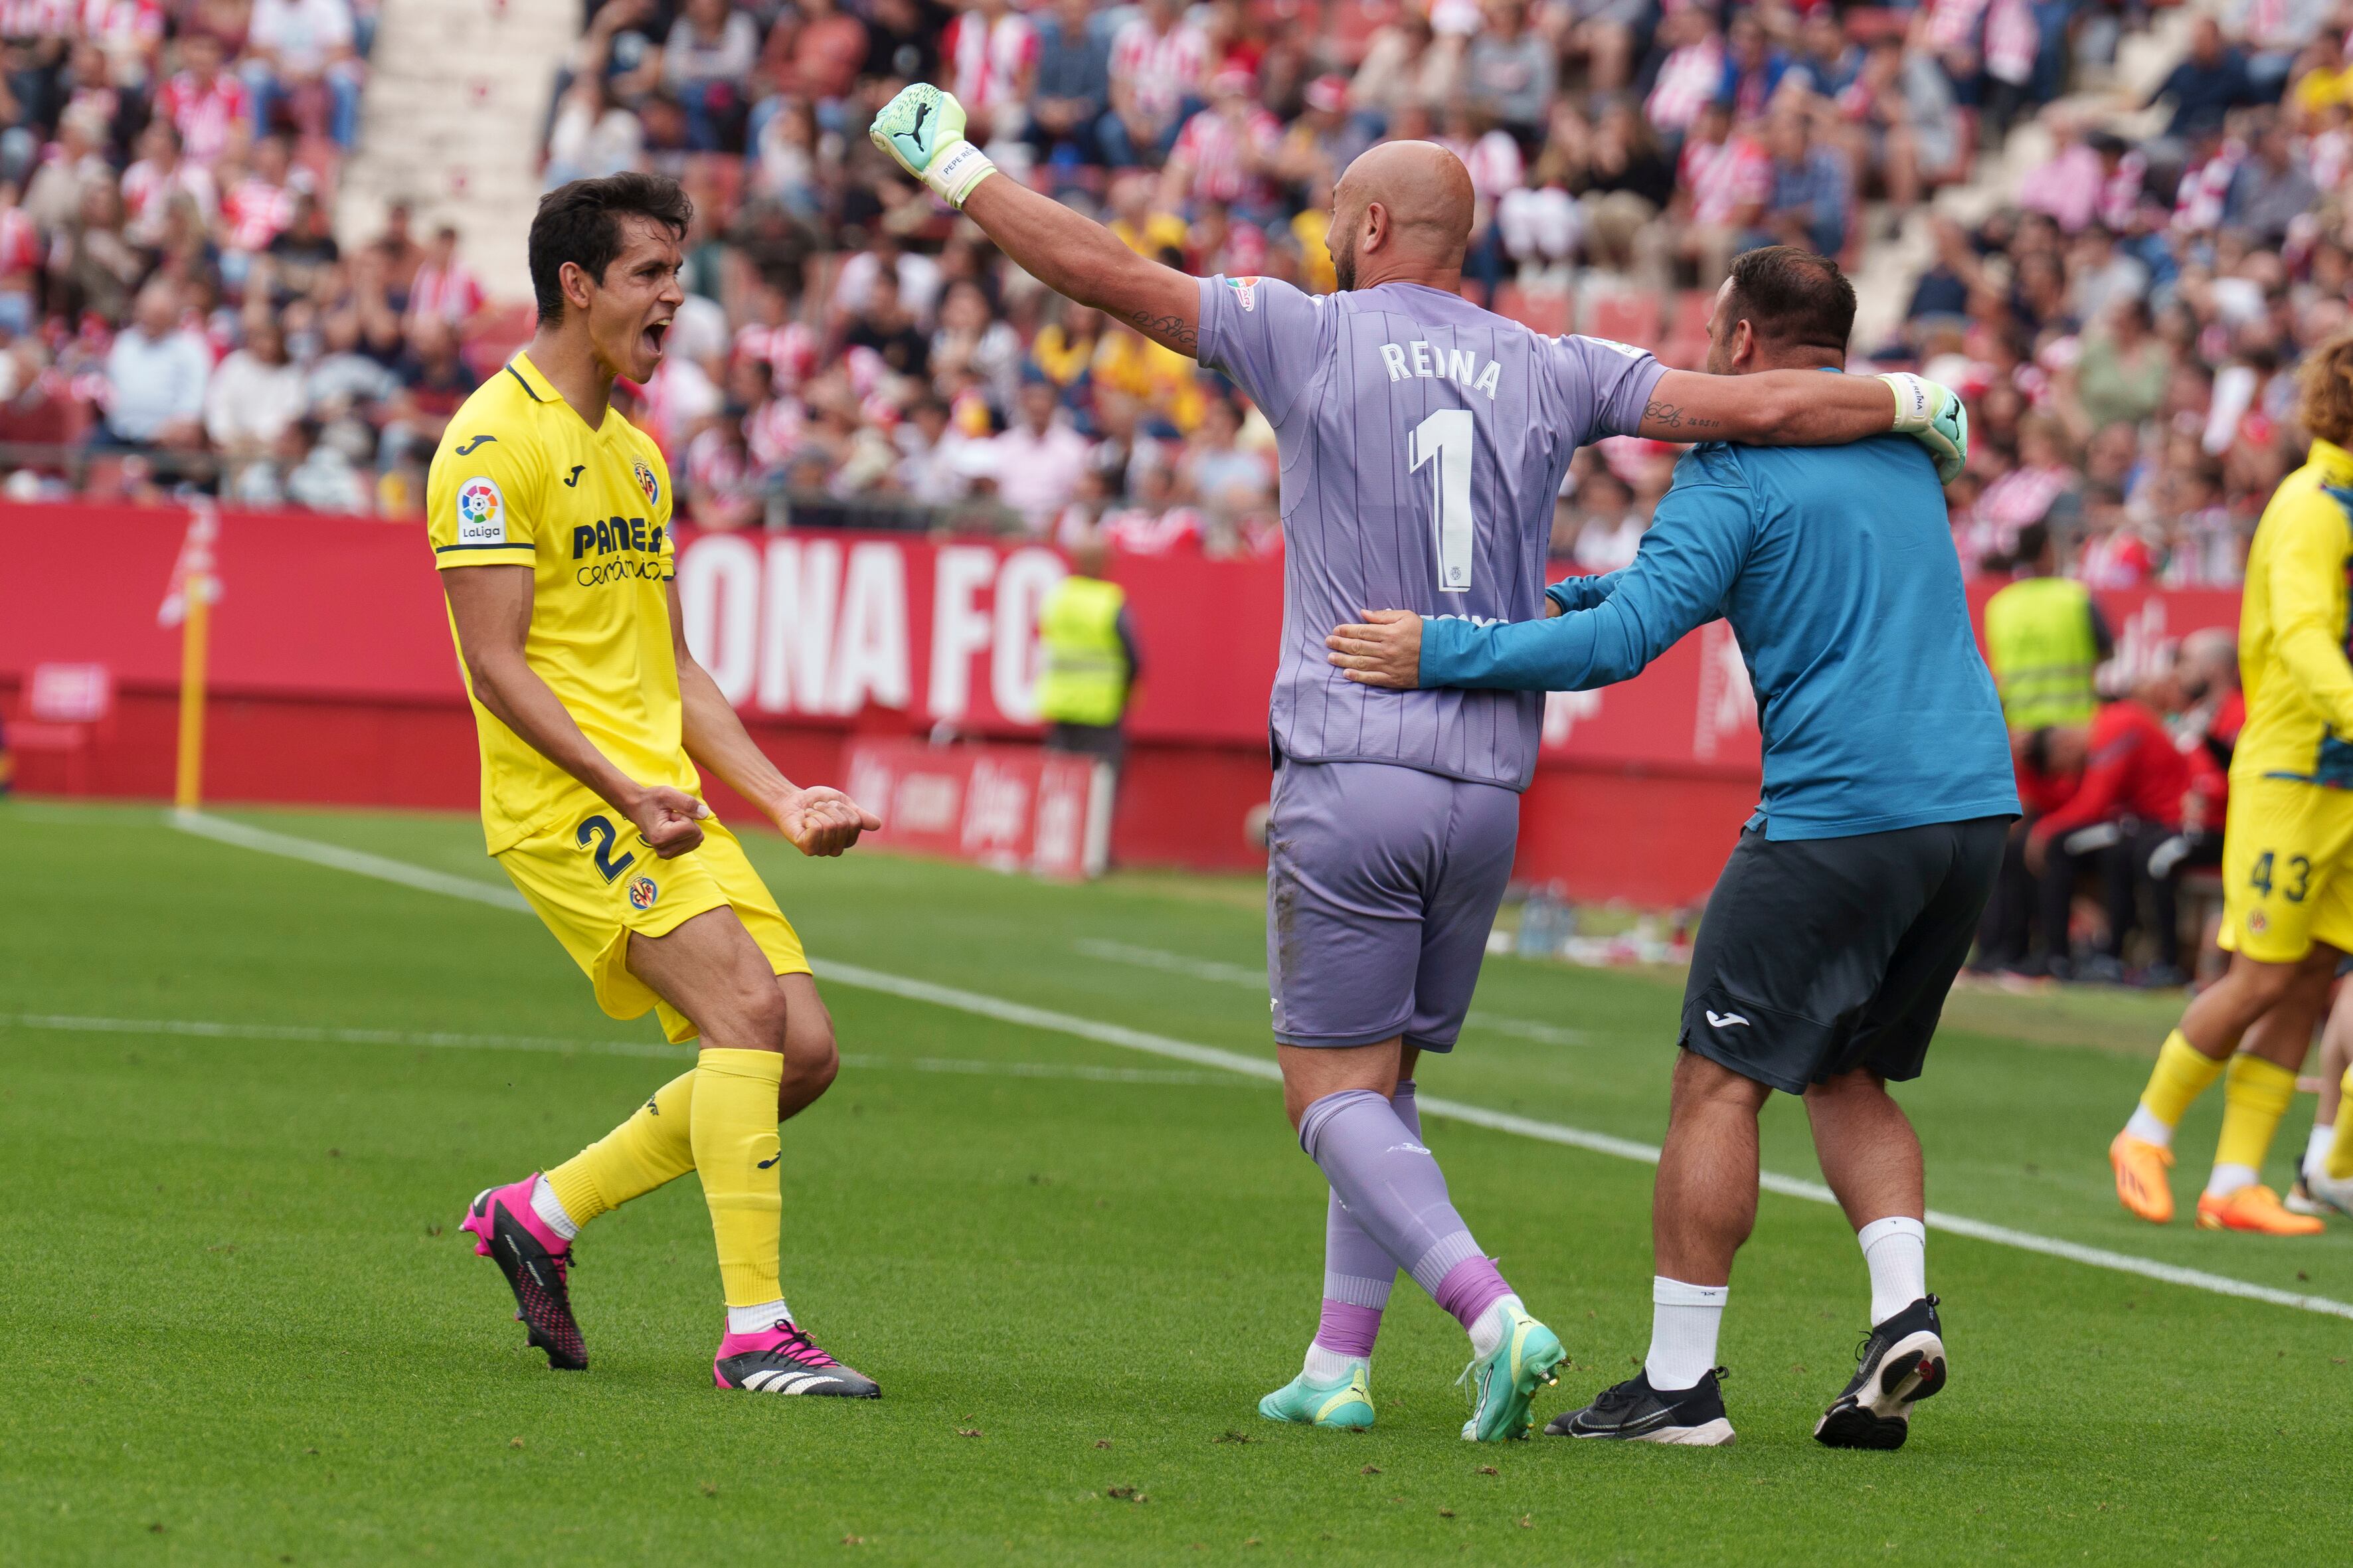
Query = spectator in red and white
x=159 y=176
x=723 y=485
x=445 y=288
x=300 y=63
x=259 y=204
x=156 y=372
x=1722 y=182
x=2114 y=555
x=1226 y=153
x=204 y=103
x=129 y=34
x=1040 y=456
x=1158 y=61
x=1692 y=76
x=990 y=55
x=709 y=52
x=255 y=394
x=774 y=338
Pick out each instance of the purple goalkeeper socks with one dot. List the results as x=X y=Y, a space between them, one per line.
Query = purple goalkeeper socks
x=1396 y=1194
x=1357 y=1270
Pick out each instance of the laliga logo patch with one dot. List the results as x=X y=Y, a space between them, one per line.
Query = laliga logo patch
x=2256 y=923
x=1629 y=350
x=647 y=483
x=1245 y=292
x=642 y=892
x=482 y=513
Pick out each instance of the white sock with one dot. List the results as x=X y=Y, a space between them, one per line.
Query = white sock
x=1330 y=1365
x=2146 y=1127
x=757 y=1320
x=2229 y=1179
x=1895 y=1251
x=2316 y=1147
x=1684 y=1322
x=543 y=1203
x=1488 y=1331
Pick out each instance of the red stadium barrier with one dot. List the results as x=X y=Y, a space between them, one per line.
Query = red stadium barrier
x=1016 y=808
x=333 y=679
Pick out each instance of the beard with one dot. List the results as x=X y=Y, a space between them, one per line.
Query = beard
x=1344 y=259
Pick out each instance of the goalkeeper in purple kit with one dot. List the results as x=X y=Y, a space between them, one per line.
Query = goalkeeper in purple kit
x=1423 y=440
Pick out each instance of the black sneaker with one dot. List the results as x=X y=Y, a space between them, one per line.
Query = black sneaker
x=1634 y=1412
x=783 y=1359
x=1901 y=1363
x=508 y=1233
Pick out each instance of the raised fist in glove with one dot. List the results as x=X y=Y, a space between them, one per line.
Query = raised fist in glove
x=1933 y=416
x=923 y=130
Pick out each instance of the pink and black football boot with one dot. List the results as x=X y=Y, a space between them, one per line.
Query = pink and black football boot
x=783 y=1359
x=537 y=1264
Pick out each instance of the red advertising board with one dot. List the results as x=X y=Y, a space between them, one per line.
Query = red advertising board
x=334 y=678
x=1016 y=808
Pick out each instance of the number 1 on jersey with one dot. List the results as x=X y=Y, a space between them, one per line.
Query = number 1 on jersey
x=1445 y=441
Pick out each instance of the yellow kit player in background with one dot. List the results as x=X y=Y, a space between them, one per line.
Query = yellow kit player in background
x=2287 y=845
x=550 y=524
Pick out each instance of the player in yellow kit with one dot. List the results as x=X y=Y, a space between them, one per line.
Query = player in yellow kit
x=550 y=520
x=2287 y=845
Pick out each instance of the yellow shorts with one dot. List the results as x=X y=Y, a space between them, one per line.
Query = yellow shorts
x=2287 y=870
x=593 y=884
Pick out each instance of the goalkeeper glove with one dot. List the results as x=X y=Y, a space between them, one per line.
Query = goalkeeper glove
x=923 y=130
x=1933 y=416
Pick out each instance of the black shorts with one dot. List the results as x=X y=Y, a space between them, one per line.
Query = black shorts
x=1817 y=956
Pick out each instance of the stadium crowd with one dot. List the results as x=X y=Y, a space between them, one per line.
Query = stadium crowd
x=177 y=308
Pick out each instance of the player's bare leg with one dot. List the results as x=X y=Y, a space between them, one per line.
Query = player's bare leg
x=754 y=1063
x=2193 y=1057
x=2318 y=1189
x=1870 y=1158
x=1339 y=1097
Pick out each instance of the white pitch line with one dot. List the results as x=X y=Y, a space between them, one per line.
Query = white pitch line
x=1211 y=970
x=981 y=1005
x=201 y=1028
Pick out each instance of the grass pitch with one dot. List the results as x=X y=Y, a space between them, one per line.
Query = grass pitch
x=241 y=1325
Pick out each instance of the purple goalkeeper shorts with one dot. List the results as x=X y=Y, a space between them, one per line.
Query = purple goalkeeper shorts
x=1382 y=883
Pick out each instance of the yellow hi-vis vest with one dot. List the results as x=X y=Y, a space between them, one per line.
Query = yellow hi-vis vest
x=2039 y=643
x=1085 y=677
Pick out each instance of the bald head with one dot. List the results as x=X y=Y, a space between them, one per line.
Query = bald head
x=1402 y=214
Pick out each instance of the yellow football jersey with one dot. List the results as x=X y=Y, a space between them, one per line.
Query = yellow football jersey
x=2294 y=628
x=520 y=478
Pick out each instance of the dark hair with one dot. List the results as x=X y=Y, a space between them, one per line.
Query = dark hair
x=580 y=223
x=2032 y=541
x=1793 y=296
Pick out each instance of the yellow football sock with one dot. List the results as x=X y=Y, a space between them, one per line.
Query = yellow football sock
x=2340 y=1153
x=2182 y=1073
x=735 y=1151
x=2254 y=1097
x=654 y=1146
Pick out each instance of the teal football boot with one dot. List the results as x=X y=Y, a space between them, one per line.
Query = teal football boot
x=1346 y=1401
x=1503 y=1382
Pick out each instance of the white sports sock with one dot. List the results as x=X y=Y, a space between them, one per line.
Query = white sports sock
x=2229 y=1179
x=1684 y=1322
x=1895 y=1251
x=550 y=1210
x=1488 y=1331
x=2146 y=1127
x=1330 y=1365
x=2316 y=1147
x=757 y=1320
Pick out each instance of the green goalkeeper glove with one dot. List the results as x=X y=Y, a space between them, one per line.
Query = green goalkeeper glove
x=1934 y=416
x=923 y=130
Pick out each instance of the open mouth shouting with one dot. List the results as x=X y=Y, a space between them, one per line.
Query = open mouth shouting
x=651 y=340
